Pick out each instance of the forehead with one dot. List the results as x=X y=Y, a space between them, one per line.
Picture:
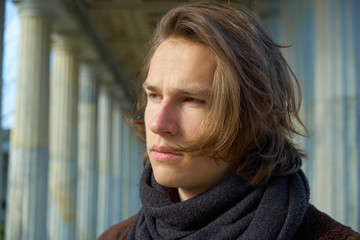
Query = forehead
x=179 y=62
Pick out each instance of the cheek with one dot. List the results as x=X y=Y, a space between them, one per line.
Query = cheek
x=192 y=121
x=147 y=117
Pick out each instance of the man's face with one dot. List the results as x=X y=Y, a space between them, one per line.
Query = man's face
x=177 y=87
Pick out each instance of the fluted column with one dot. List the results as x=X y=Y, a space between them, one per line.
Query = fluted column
x=63 y=139
x=300 y=56
x=325 y=58
x=28 y=167
x=125 y=171
x=87 y=153
x=104 y=214
x=336 y=188
x=2 y=187
x=140 y=154
x=136 y=155
x=118 y=148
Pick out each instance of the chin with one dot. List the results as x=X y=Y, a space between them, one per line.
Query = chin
x=166 y=178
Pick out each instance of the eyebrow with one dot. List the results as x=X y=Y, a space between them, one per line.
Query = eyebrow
x=180 y=91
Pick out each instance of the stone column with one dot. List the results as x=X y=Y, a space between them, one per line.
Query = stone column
x=325 y=58
x=2 y=187
x=300 y=57
x=141 y=149
x=28 y=170
x=117 y=121
x=125 y=171
x=87 y=153
x=135 y=162
x=104 y=214
x=63 y=139
x=336 y=186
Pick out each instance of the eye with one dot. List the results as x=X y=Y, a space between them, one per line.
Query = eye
x=153 y=96
x=194 y=100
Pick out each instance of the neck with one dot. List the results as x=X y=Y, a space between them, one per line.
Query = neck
x=172 y=194
x=185 y=195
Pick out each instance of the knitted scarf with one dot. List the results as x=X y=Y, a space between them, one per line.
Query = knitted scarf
x=231 y=210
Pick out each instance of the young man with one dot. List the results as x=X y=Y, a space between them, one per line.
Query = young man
x=219 y=104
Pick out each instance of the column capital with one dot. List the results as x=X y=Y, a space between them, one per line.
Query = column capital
x=88 y=53
x=107 y=78
x=36 y=7
x=108 y=81
x=106 y=86
x=66 y=40
x=124 y=103
x=90 y=65
x=119 y=92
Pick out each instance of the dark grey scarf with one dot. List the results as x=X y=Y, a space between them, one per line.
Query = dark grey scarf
x=231 y=210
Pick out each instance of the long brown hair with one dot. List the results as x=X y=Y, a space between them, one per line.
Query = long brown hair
x=254 y=100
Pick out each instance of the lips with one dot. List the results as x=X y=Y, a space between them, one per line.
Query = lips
x=164 y=154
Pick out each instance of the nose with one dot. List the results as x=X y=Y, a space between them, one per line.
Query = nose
x=164 y=120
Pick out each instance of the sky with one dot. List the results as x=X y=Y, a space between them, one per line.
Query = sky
x=11 y=42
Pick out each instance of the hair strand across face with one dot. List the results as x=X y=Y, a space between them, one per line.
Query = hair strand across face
x=254 y=100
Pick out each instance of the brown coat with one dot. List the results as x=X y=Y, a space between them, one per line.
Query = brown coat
x=316 y=225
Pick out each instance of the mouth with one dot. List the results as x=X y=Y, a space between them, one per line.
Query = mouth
x=164 y=154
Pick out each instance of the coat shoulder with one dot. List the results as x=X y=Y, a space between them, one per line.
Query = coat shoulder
x=318 y=226
x=118 y=231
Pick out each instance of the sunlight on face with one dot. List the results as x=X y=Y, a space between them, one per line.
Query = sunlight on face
x=177 y=86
